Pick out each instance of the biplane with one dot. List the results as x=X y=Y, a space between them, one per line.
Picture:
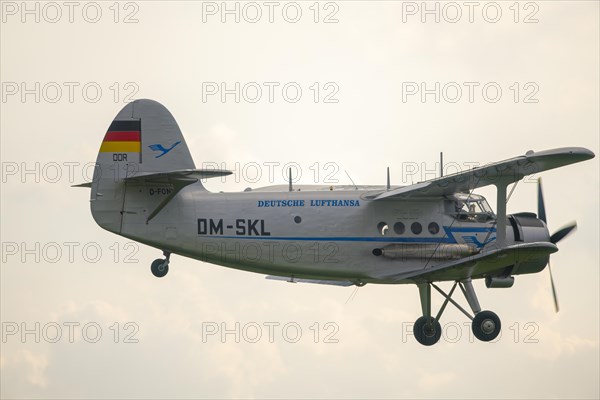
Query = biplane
x=146 y=188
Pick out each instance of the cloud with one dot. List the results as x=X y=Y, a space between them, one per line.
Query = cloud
x=431 y=381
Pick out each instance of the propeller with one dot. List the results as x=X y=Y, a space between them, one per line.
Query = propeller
x=555 y=238
x=563 y=232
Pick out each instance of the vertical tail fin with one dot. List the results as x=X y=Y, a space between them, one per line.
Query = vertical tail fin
x=143 y=138
x=145 y=133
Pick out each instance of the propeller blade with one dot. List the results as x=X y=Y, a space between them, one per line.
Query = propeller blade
x=553 y=288
x=541 y=207
x=563 y=232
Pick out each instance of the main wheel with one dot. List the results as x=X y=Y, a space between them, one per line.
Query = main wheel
x=486 y=326
x=427 y=332
x=159 y=267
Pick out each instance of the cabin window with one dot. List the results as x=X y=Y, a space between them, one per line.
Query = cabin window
x=383 y=228
x=297 y=219
x=416 y=228
x=399 y=228
x=433 y=228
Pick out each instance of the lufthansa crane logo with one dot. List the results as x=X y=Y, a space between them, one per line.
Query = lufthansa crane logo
x=160 y=147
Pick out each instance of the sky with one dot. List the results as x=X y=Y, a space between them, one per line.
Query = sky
x=338 y=91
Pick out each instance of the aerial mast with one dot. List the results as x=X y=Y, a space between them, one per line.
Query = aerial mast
x=388 y=179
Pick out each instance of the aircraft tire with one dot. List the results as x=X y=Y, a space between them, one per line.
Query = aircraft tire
x=486 y=326
x=159 y=268
x=427 y=333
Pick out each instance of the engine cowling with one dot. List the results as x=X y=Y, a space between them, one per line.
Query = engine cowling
x=527 y=228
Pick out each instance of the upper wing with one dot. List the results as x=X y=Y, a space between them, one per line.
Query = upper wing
x=479 y=264
x=508 y=171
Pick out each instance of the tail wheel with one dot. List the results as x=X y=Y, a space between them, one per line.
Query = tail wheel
x=427 y=331
x=486 y=326
x=159 y=267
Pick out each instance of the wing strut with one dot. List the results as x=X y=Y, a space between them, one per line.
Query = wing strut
x=501 y=212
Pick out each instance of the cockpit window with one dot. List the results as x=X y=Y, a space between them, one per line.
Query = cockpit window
x=473 y=208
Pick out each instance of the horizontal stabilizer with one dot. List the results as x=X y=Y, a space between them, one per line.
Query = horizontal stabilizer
x=170 y=177
x=317 y=281
x=181 y=175
x=179 y=179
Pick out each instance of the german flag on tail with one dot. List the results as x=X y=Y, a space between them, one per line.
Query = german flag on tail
x=123 y=137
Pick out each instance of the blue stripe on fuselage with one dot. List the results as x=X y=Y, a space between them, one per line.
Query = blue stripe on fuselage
x=448 y=238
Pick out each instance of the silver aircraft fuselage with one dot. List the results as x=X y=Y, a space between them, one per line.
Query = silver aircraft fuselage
x=317 y=232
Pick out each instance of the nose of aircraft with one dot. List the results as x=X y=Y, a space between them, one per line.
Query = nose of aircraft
x=535 y=231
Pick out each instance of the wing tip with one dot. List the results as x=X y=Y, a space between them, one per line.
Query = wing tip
x=581 y=153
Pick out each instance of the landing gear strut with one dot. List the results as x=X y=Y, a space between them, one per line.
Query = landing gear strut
x=427 y=329
x=160 y=266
